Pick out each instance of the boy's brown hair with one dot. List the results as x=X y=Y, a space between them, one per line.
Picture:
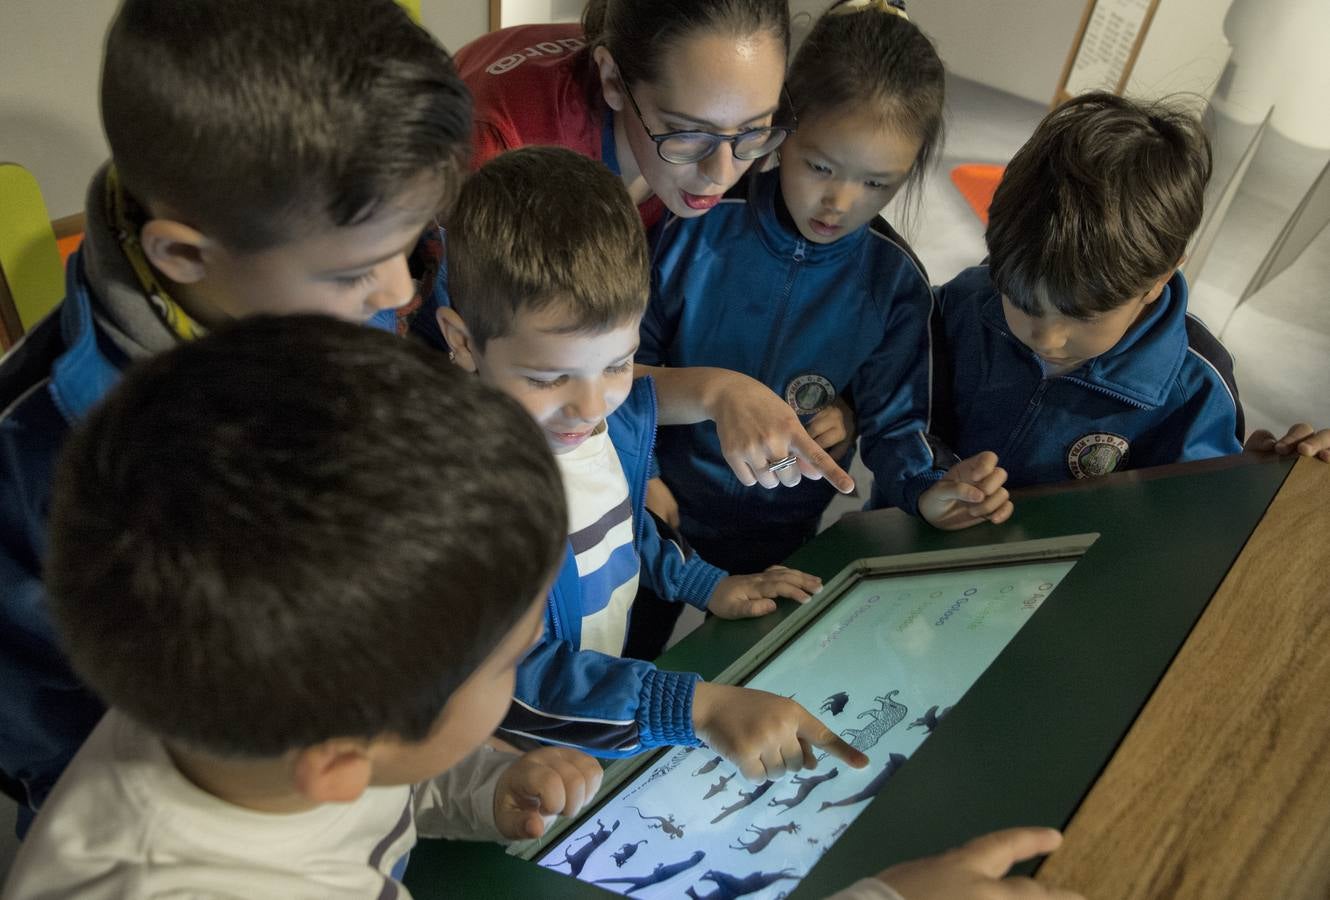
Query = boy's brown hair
x=1097 y=205
x=259 y=121
x=541 y=227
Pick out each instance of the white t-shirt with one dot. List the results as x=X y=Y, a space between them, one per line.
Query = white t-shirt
x=123 y=822
x=600 y=528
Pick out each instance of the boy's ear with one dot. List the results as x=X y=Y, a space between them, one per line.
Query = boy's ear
x=1158 y=287
x=611 y=85
x=179 y=252
x=335 y=771
x=458 y=337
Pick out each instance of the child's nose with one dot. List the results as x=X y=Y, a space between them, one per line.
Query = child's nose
x=836 y=198
x=1047 y=337
x=396 y=287
x=587 y=403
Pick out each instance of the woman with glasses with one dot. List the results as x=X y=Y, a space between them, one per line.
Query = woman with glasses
x=678 y=97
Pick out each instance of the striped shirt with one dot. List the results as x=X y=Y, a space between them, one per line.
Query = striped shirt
x=600 y=528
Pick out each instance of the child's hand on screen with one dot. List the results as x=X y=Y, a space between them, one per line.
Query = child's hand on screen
x=971 y=492
x=974 y=871
x=747 y=596
x=552 y=781
x=764 y=735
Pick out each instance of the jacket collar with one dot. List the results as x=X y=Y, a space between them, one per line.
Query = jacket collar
x=84 y=373
x=781 y=237
x=1140 y=368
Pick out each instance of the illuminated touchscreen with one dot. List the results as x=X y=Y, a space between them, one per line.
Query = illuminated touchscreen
x=882 y=666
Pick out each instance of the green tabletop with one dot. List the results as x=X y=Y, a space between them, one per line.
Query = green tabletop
x=1027 y=742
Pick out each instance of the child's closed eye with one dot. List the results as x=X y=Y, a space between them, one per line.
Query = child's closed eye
x=546 y=384
x=620 y=368
x=354 y=281
x=818 y=167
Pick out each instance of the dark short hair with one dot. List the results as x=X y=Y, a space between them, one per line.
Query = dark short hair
x=257 y=121
x=297 y=529
x=541 y=227
x=1097 y=205
x=638 y=33
x=872 y=60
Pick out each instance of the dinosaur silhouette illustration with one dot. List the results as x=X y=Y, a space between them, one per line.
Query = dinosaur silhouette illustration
x=764 y=836
x=887 y=717
x=835 y=704
x=664 y=823
x=625 y=853
x=718 y=786
x=715 y=761
x=747 y=798
x=806 y=784
x=662 y=872
x=928 y=721
x=728 y=887
x=577 y=860
x=869 y=790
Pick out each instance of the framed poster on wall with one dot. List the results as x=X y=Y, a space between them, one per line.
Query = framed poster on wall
x=1106 y=47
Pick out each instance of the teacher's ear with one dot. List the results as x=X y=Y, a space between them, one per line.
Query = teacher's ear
x=611 y=82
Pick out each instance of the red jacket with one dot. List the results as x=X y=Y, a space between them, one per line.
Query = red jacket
x=531 y=85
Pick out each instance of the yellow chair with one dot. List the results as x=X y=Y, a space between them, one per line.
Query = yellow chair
x=412 y=7
x=31 y=276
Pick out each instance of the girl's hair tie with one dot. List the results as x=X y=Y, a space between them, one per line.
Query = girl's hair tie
x=893 y=7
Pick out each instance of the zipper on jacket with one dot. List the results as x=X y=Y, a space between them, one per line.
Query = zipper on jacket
x=1110 y=393
x=738 y=492
x=1027 y=417
x=555 y=625
x=641 y=511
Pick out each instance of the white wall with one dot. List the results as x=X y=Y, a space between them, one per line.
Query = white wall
x=50 y=61
x=1017 y=46
x=527 y=12
x=454 y=22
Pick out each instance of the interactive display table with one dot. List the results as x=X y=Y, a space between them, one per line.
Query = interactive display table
x=1221 y=786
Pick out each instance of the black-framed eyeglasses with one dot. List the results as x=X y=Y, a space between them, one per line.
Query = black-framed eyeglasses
x=683 y=147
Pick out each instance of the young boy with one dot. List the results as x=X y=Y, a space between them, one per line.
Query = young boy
x=548 y=275
x=264 y=159
x=1074 y=353
x=285 y=556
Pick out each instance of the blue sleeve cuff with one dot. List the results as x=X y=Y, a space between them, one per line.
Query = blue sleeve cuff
x=665 y=716
x=698 y=582
x=912 y=488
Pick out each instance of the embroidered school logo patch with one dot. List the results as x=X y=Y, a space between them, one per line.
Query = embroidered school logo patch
x=809 y=394
x=1097 y=454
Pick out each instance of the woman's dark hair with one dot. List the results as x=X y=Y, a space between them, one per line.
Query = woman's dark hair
x=1098 y=204
x=638 y=33
x=873 y=59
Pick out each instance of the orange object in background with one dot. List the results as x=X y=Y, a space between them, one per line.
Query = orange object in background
x=67 y=246
x=977 y=183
